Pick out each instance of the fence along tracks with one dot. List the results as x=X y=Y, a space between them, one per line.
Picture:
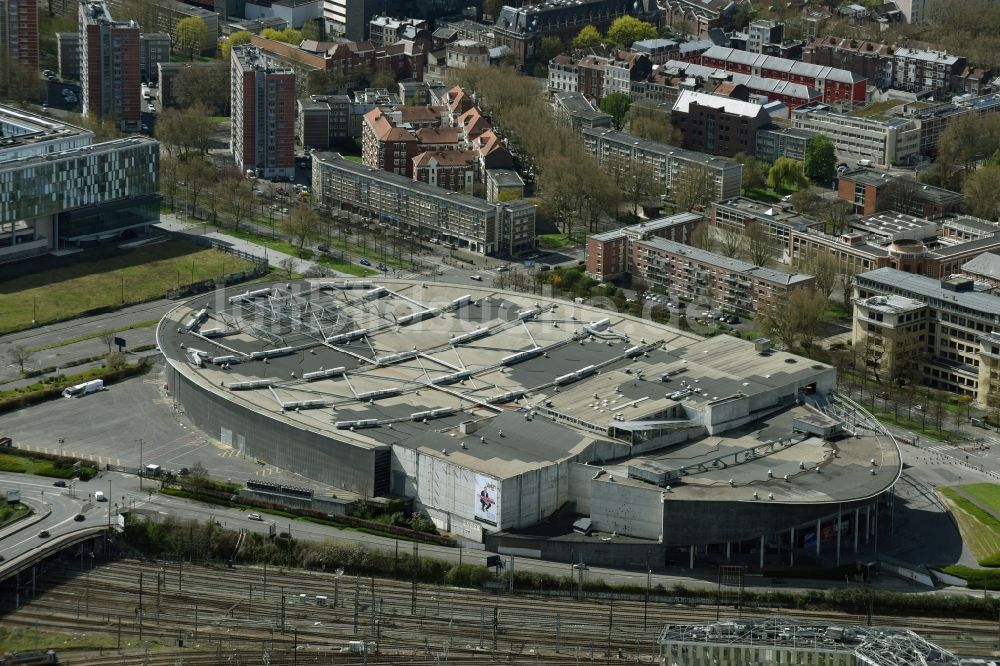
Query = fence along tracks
x=244 y=615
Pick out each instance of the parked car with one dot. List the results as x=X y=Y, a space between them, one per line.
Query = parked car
x=79 y=517
x=59 y=484
x=477 y=278
x=254 y=516
x=364 y=262
x=323 y=247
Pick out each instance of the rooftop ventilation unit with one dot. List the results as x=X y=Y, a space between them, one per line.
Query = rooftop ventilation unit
x=323 y=374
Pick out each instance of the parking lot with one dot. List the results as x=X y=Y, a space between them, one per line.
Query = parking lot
x=107 y=427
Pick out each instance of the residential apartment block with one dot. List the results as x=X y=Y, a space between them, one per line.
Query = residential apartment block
x=609 y=254
x=884 y=142
x=323 y=120
x=385 y=30
x=494 y=229
x=58 y=189
x=956 y=322
x=872 y=60
x=731 y=284
x=718 y=125
x=263 y=114
x=154 y=48
x=575 y=110
x=68 y=53
x=451 y=144
x=19 y=31
x=668 y=162
x=465 y=53
x=835 y=85
x=109 y=65
x=737 y=215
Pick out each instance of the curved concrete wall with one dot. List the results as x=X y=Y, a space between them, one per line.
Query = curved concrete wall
x=264 y=436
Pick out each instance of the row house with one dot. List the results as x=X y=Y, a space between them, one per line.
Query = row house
x=835 y=85
x=597 y=76
x=872 y=60
x=888 y=66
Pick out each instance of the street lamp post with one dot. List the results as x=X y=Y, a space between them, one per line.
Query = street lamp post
x=140 y=463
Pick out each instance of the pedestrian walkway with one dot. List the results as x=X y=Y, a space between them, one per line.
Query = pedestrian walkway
x=170 y=222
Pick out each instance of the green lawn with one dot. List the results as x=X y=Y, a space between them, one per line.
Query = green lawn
x=555 y=241
x=987 y=494
x=24 y=639
x=132 y=276
x=978 y=579
x=763 y=194
x=11 y=512
x=878 y=108
x=980 y=530
x=354 y=158
x=219 y=120
x=10 y=462
x=288 y=248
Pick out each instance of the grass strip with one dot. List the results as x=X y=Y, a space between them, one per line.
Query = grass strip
x=90 y=336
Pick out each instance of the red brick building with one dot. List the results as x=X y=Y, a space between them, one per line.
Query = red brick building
x=385 y=146
x=870 y=191
x=109 y=66
x=263 y=114
x=835 y=85
x=455 y=170
x=19 y=30
x=609 y=254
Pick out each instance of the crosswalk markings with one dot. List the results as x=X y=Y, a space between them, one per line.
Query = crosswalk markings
x=942 y=448
x=229 y=453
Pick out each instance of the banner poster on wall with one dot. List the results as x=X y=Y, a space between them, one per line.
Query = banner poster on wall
x=487 y=499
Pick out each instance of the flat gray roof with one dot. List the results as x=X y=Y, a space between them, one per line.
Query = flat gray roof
x=929 y=289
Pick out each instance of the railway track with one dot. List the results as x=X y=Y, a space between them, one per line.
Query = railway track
x=246 y=610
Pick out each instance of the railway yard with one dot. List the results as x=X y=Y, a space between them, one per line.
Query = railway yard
x=143 y=612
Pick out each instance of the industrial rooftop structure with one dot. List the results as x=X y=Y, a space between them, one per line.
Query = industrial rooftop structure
x=496 y=411
x=782 y=640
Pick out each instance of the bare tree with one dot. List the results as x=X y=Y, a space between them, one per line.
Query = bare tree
x=20 y=356
x=108 y=338
x=731 y=241
x=703 y=237
x=288 y=265
x=759 y=244
x=823 y=266
x=301 y=224
x=693 y=187
x=237 y=200
x=836 y=215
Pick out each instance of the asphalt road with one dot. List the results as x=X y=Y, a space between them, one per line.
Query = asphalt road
x=67 y=330
x=123 y=491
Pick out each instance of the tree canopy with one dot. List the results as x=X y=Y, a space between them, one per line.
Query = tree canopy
x=820 y=159
x=191 y=36
x=786 y=175
x=625 y=30
x=616 y=105
x=287 y=35
x=587 y=37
